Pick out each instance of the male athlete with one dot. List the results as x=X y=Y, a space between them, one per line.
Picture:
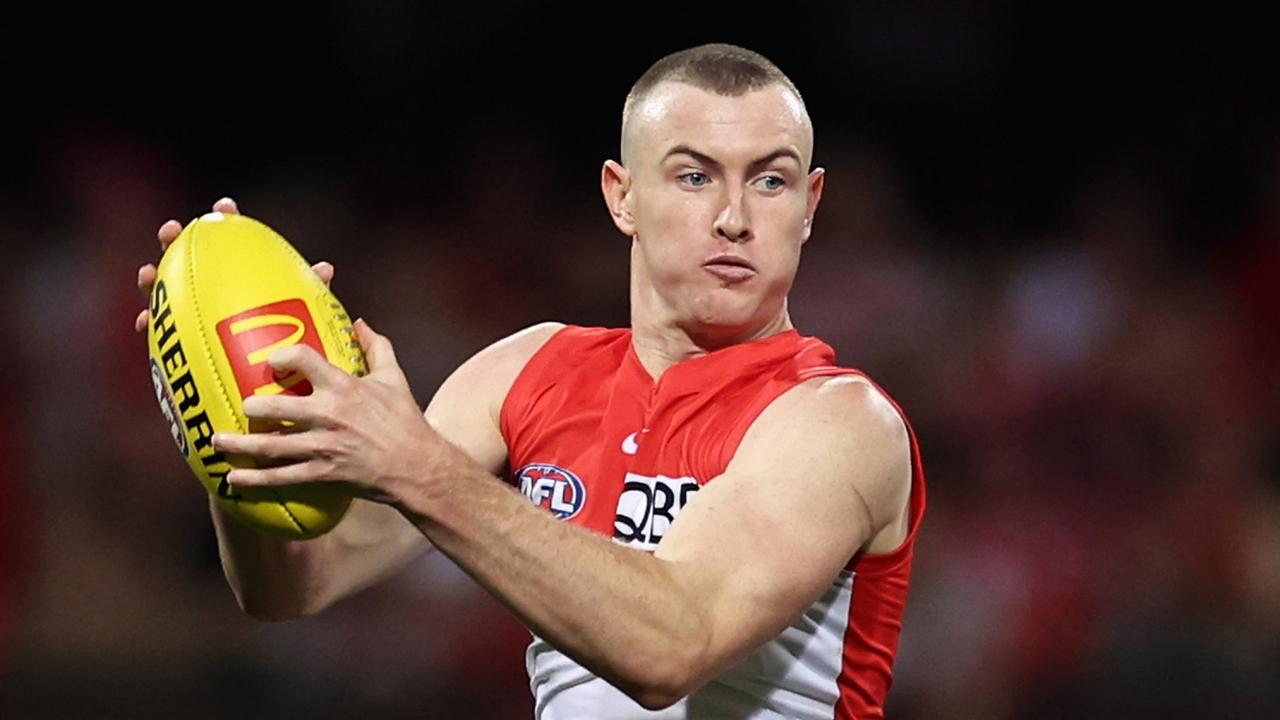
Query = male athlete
x=722 y=520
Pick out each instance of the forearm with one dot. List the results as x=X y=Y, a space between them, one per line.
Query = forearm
x=272 y=579
x=280 y=579
x=623 y=614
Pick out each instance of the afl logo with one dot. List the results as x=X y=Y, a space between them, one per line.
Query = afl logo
x=553 y=488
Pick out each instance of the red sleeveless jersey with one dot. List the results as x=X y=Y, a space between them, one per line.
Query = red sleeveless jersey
x=596 y=441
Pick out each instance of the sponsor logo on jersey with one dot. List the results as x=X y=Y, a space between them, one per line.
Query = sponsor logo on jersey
x=250 y=337
x=552 y=487
x=647 y=507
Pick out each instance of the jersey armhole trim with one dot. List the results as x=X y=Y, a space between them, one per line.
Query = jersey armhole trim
x=878 y=563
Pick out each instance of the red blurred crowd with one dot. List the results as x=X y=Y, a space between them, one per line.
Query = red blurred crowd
x=1098 y=408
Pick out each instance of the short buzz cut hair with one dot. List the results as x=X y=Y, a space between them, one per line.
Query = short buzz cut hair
x=716 y=67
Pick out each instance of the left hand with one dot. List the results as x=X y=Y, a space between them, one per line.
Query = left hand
x=368 y=433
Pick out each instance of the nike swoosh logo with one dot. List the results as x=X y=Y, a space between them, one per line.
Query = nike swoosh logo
x=629 y=445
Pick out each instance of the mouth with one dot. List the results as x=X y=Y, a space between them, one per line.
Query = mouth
x=730 y=268
x=731 y=260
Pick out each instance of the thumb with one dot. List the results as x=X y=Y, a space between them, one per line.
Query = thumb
x=378 y=352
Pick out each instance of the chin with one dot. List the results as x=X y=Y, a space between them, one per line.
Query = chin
x=721 y=315
x=722 y=324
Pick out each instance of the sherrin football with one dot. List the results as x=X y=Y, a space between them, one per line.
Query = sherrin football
x=228 y=292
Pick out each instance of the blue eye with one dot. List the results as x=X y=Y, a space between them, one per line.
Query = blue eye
x=696 y=179
x=772 y=182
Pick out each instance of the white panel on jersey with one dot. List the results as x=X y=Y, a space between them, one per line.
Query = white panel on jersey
x=792 y=676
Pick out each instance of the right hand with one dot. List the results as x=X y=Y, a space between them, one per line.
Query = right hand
x=168 y=232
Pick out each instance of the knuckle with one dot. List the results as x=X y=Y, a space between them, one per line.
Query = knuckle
x=326 y=445
x=325 y=402
x=324 y=467
x=345 y=384
x=329 y=411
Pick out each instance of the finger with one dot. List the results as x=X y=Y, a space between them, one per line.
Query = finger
x=313 y=366
x=146 y=278
x=226 y=205
x=167 y=233
x=299 y=410
x=268 y=446
x=292 y=474
x=378 y=351
x=325 y=271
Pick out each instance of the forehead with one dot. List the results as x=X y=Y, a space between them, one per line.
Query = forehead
x=754 y=123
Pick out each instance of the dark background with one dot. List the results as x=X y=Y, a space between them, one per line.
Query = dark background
x=1053 y=236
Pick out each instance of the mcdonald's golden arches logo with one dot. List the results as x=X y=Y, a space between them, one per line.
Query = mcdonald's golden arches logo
x=250 y=337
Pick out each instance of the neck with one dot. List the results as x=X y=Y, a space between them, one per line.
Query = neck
x=663 y=336
x=660 y=344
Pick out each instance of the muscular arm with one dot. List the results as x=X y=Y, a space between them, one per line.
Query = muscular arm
x=821 y=473
x=278 y=579
x=824 y=471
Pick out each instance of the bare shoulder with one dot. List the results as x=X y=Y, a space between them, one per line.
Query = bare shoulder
x=846 y=432
x=516 y=348
x=848 y=407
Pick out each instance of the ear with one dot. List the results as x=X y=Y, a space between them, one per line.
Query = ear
x=816 y=180
x=615 y=183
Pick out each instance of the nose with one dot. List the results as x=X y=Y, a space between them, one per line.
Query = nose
x=733 y=222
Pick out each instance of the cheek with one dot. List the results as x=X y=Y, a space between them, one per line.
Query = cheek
x=784 y=230
x=782 y=264
x=671 y=229
x=678 y=214
x=788 y=216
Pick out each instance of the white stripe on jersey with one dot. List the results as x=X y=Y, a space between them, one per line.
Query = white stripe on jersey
x=792 y=676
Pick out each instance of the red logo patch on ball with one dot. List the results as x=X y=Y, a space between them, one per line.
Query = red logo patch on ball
x=250 y=337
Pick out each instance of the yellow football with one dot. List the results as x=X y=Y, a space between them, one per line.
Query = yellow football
x=228 y=292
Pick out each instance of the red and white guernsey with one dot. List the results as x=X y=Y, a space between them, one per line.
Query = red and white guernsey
x=592 y=438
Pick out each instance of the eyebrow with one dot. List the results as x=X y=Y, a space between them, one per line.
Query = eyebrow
x=717 y=165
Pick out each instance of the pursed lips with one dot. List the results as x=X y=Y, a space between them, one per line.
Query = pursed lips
x=730 y=268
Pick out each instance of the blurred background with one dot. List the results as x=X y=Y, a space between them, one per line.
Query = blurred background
x=1055 y=238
